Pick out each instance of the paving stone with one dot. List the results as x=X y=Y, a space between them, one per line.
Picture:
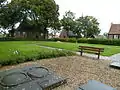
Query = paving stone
x=115 y=65
x=29 y=78
x=95 y=85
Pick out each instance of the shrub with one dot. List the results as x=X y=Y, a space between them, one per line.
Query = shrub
x=19 y=39
x=90 y=41
x=36 y=56
x=6 y=39
x=73 y=40
x=104 y=41
x=82 y=40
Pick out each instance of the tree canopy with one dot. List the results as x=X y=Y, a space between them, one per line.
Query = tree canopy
x=67 y=21
x=87 y=26
x=43 y=14
x=39 y=12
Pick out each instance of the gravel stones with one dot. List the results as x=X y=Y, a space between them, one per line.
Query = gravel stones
x=79 y=70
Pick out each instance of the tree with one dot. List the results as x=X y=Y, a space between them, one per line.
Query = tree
x=2 y=2
x=77 y=29
x=41 y=13
x=10 y=15
x=88 y=26
x=44 y=13
x=68 y=21
x=56 y=27
x=105 y=34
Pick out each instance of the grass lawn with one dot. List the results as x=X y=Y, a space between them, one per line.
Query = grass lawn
x=25 y=50
x=15 y=49
x=13 y=52
x=9 y=49
x=108 y=49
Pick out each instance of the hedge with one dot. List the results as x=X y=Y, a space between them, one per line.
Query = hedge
x=115 y=42
x=35 y=56
x=19 y=39
x=73 y=40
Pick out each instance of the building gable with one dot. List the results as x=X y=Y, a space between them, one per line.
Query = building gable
x=114 y=29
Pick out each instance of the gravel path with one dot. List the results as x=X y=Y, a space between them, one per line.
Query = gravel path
x=78 y=70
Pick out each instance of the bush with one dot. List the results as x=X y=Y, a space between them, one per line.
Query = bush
x=90 y=41
x=19 y=39
x=82 y=40
x=36 y=56
x=73 y=40
x=63 y=39
x=6 y=39
x=105 y=41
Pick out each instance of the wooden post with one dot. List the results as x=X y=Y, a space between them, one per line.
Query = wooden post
x=81 y=51
x=99 y=54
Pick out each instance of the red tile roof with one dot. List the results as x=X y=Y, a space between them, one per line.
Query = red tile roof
x=115 y=29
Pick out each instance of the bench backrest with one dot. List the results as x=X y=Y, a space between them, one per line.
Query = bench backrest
x=91 y=48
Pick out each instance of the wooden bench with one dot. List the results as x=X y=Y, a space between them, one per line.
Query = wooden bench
x=88 y=49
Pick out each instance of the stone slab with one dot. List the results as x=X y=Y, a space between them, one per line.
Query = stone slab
x=115 y=65
x=95 y=85
x=33 y=77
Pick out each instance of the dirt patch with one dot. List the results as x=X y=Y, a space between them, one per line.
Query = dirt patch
x=78 y=70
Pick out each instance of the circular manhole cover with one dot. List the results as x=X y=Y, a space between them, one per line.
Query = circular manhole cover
x=38 y=72
x=13 y=79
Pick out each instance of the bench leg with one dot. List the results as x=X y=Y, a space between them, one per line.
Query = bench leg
x=81 y=53
x=98 y=56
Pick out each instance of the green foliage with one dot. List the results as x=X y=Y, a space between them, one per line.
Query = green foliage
x=10 y=14
x=82 y=40
x=2 y=3
x=41 y=13
x=108 y=49
x=87 y=26
x=68 y=21
x=105 y=34
x=6 y=39
x=19 y=52
x=32 y=57
x=19 y=39
x=90 y=41
x=78 y=29
x=105 y=41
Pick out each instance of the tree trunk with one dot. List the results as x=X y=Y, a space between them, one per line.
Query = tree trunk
x=54 y=33
x=44 y=33
x=67 y=33
x=12 y=32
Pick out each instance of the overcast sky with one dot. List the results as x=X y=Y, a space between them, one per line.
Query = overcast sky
x=106 y=11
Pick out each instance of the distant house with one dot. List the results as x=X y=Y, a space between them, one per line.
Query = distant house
x=51 y=35
x=64 y=34
x=100 y=36
x=26 y=30
x=114 y=32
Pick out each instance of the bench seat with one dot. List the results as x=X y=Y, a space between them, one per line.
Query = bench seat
x=88 y=49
